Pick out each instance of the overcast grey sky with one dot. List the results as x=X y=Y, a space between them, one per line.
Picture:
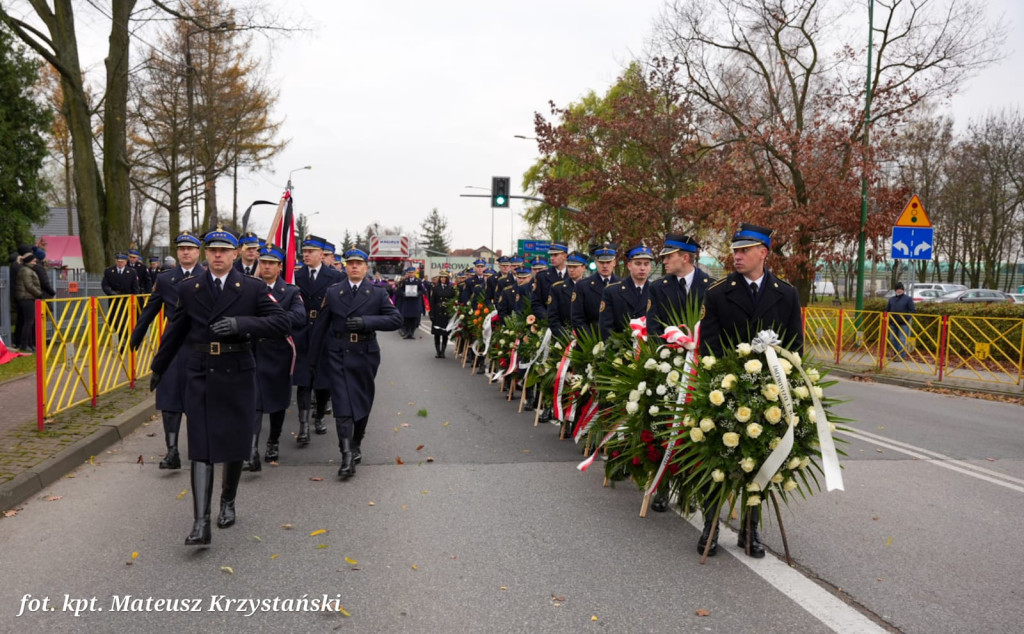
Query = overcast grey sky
x=399 y=105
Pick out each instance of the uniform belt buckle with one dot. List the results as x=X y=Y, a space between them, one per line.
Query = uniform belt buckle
x=214 y=348
x=353 y=337
x=312 y=314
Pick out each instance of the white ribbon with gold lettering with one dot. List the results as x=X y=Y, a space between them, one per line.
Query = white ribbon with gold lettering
x=767 y=342
x=488 y=330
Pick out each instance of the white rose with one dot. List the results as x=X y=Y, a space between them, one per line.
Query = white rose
x=632 y=407
x=812 y=415
x=777 y=478
x=793 y=463
x=661 y=390
x=743 y=414
x=744 y=349
x=770 y=392
x=664 y=367
x=642 y=386
x=696 y=435
x=634 y=396
x=617 y=361
x=753 y=487
x=774 y=443
x=706 y=424
x=649 y=364
x=752 y=367
x=813 y=375
x=748 y=464
x=611 y=396
x=716 y=397
x=647 y=392
x=598 y=349
x=731 y=439
x=795 y=420
x=754 y=500
x=688 y=421
x=787 y=367
x=797 y=361
x=728 y=381
x=665 y=353
x=672 y=378
x=754 y=430
x=818 y=391
x=708 y=362
x=653 y=410
x=805 y=462
x=801 y=392
x=678 y=360
x=718 y=475
x=773 y=414
x=789 y=484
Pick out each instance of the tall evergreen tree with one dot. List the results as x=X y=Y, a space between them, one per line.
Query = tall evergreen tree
x=23 y=125
x=435 y=237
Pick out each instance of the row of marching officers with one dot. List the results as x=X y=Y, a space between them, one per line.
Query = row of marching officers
x=230 y=348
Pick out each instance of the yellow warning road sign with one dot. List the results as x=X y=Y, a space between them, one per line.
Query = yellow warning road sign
x=914 y=215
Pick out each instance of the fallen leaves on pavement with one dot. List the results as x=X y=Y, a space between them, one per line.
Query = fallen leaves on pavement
x=703 y=613
x=398 y=460
x=227 y=569
x=53 y=498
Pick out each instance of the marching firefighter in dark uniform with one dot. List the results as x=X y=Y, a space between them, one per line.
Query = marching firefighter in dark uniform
x=631 y=298
x=494 y=281
x=248 y=254
x=409 y=300
x=313 y=280
x=736 y=308
x=542 y=280
x=561 y=295
x=682 y=287
x=136 y=264
x=513 y=298
x=275 y=358
x=218 y=315
x=170 y=394
x=120 y=279
x=586 y=305
x=475 y=284
x=344 y=347
x=440 y=294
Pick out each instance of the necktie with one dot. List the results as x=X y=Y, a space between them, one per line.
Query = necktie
x=682 y=285
x=248 y=270
x=216 y=287
x=312 y=275
x=188 y=274
x=753 y=291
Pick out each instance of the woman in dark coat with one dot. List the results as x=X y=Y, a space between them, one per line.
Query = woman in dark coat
x=440 y=294
x=409 y=296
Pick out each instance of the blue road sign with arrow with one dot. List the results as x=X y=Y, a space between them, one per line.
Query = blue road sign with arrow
x=912 y=243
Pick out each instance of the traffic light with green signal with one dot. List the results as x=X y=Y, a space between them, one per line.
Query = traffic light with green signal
x=500 y=191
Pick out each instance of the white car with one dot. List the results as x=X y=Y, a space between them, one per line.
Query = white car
x=1018 y=298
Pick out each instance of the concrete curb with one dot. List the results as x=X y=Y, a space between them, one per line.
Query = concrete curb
x=918 y=384
x=25 y=485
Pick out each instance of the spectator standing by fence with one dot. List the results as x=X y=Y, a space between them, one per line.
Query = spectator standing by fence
x=27 y=290
x=899 y=307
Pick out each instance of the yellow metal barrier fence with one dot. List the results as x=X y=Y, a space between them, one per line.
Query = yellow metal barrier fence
x=986 y=349
x=82 y=349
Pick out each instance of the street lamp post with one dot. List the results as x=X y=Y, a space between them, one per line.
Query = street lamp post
x=190 y=90
x=297 y=169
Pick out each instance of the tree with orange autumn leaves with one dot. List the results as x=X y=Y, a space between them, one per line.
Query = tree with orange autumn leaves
x=773 y=96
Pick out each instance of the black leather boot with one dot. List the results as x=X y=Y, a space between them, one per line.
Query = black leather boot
x=202 y=491
x=173 y=459
x=172 y=425
x=272 y=451
x=357 y=454
x=703 y=541
x=545 y=415
x=319 y=426
x=531 y=400
x=253 y=463
x=348 y=466
x=660 y=503
x=756 y=547
x=303 y=437
x=230 y=476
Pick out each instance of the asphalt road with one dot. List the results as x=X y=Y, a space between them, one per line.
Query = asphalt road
x=500 y=533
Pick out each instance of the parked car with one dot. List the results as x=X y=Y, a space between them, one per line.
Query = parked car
x=976 y=296
x=926 y=295
x=934 y=286
x=1018 y=298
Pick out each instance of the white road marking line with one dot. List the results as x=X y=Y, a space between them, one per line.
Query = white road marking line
x=816 y=600
x=947 y=463
x=940 y=456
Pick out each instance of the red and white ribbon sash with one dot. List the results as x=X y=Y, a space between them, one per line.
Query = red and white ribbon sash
x=560 y=375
